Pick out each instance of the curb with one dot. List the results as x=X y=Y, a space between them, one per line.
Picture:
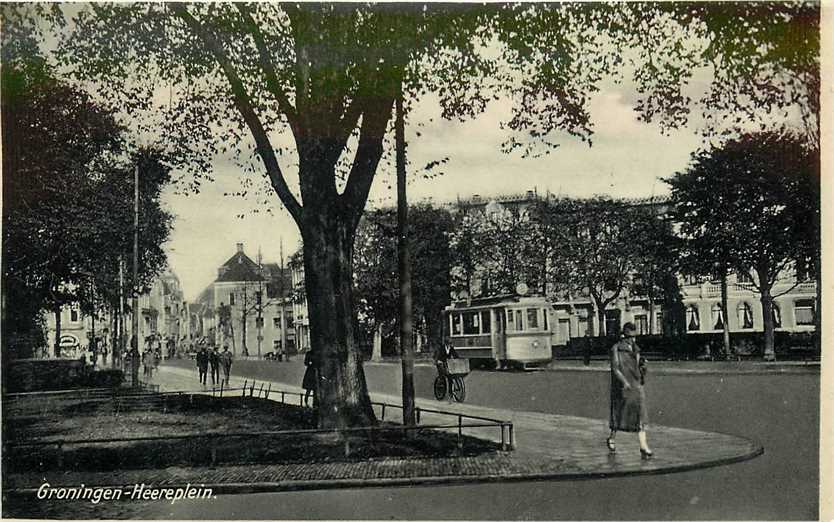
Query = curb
x=232 y=488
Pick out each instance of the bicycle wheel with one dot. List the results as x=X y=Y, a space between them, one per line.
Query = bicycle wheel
x=440 y=387
x=458 y=388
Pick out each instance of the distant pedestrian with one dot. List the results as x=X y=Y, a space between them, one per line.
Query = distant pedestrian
x=226 y=362
x=628 y=399
x=214 y=362
x=148 y=360
x=310 y=378
x=202 y=363
x=587 y=347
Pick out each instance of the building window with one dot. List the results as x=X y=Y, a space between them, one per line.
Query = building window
x=288 y=319
x=776 y=312
x=744 y=277
x=582 y=326
x=258 y=297
x=745 y=315
x=276 y=322
x=805 y=312
x=658 y=320
x=642 y=324
x=612 y=322
x=693 y=321
x=231 y=299
x=717 y=317
x=74 y=315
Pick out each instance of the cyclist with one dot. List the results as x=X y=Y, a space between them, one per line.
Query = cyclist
x=443 y=354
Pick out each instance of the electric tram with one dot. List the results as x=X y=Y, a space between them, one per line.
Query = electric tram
x=502 y=330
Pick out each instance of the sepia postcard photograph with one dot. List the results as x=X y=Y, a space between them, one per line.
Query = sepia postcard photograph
x=415 y=260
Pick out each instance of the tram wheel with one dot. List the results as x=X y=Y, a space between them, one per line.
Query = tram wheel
x=458 y=388
x=440 y=387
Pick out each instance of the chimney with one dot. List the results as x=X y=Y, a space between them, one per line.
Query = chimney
x=531 y=194
x=240 y=248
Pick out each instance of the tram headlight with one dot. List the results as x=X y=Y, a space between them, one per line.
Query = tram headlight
x=535 y=344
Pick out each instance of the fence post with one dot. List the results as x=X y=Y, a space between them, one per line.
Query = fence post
x=245 y=382
x=383 y=411
x=252 y=389
x=460 y=431
x=60 y=456
x=282 y=397
x=269 y=389
x=503 y=440
x=221 y=389
x=417 y=411
x=260 y=390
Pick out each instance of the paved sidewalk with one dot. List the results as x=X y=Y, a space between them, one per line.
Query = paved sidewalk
x=552 y=447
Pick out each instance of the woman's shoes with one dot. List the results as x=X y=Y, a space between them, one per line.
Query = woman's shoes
x=610 y=443
x=645 y=454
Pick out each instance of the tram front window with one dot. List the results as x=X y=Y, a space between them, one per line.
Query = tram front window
x=532 y=318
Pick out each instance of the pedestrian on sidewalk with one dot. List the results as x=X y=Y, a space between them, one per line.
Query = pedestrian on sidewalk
x=148 y=363
x=587 y=347
x=214 y=362
x=310 y=377
x=202 y=363
x=628 y=399
x=226 y=362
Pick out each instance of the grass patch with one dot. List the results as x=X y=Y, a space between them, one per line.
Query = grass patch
x=213 y=419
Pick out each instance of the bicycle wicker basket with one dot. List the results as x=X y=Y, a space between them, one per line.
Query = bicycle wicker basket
x=458 y=366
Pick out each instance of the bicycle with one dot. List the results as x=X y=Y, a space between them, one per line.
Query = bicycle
x=450 y=382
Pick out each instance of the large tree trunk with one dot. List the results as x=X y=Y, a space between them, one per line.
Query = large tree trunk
x=57 y=311
x=725 y=333
x=328 y=263
x=767 y=316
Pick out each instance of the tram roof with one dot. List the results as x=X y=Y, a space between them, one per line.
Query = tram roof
x=507 y=299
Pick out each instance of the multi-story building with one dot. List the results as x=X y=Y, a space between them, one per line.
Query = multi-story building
x=795 y=305
x=159 y=317
x=248 y=307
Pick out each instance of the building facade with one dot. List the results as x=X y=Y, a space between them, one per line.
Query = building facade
x=248 y=308
x=795 y=303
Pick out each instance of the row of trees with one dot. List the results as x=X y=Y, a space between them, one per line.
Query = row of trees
x=68 y=202
x=749 y=206
x=327 y=75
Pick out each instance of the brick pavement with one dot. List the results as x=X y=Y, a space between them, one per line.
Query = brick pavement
x=552 y=447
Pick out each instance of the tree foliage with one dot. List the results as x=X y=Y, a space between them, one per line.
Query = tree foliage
x=752 y=202
x=375 y=265
x=307 y=90
x=68 y=192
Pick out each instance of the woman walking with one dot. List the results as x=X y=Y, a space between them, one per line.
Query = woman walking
x=628 y=399
x=310 y=377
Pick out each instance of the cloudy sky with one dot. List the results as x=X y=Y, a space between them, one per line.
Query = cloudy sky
x=626 y=160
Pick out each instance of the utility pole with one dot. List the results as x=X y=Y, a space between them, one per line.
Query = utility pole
x=134 y=367
x=404 y=262
x=259 y=321
x=117 y=348
x=283 y=301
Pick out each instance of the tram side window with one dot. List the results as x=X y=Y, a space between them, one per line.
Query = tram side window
x=470 y=323
x=485 y=322
x=519 y=320
x=455 y=324
x=510 y=322
x=532 y=319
